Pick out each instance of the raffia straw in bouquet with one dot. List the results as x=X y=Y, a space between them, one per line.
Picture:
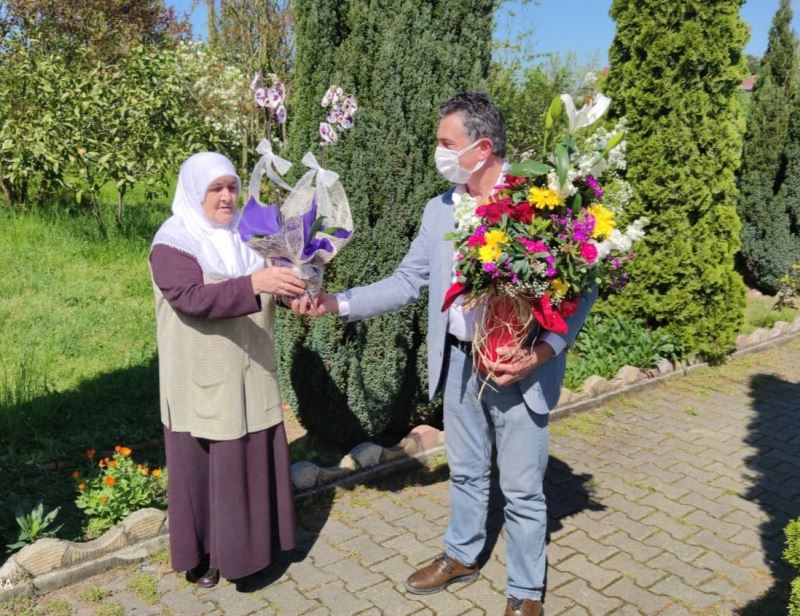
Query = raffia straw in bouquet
x=501 y=321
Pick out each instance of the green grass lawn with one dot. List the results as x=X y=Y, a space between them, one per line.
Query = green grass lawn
x=759 y=313
x=78 y=352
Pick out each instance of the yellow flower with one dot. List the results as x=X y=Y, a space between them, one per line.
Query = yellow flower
x=544 y=198
x=603 y=221
x=157 y=472
x=559 y=287
x=491 y=251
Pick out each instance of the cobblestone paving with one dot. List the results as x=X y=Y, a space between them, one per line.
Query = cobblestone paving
x=670 y=501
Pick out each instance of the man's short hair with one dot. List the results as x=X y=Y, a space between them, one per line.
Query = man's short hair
x=482 y=118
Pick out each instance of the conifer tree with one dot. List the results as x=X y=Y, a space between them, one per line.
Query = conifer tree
x=675 y=69
x=401 y=59
x=769 y=237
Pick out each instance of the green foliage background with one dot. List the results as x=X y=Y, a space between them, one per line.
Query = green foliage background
x=401 y=59
x=675 y=71
x=770 y=174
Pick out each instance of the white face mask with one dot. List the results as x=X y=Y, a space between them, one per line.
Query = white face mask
x=447 y=164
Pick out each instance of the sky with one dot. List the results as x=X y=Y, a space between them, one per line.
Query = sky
x=582 y=27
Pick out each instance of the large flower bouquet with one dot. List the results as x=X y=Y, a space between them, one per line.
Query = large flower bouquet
x=548 y=233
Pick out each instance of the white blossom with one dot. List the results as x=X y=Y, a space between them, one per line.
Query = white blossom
x=464 y=212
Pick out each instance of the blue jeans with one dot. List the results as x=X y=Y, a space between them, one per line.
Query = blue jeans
x=471 y=426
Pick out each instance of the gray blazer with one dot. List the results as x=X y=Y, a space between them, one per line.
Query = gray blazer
x=429 y=262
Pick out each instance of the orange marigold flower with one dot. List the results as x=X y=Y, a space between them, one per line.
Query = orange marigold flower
x=125 y=451
x=75 y=474
x=112 y=464
x=117 y=448
x=103 y=500
x=81 y=486
x=110 y=481
x=101 y=463
x=157 y=472
x=145 y=471
x=90 y=453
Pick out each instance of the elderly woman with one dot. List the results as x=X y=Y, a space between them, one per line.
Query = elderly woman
x=230 y=497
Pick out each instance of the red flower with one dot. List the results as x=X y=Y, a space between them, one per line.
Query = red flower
x=523 y=212
x=494 y=211
x=513 y=181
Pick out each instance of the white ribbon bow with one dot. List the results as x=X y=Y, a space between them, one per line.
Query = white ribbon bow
x=271 y=164
x=326 y=177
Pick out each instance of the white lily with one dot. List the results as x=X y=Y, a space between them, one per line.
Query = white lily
x=589 y=113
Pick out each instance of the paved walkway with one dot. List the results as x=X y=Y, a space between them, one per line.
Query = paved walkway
x=668 y=501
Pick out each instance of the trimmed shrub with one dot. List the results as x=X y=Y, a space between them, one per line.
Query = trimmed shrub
x=675 y=71
x=792 y=556
x=770 y=174
x=401 y=59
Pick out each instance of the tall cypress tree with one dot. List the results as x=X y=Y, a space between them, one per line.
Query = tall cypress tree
x=401 y=59
x=769 y=239
x=675 y=69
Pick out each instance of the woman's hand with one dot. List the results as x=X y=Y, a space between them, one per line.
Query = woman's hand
x=277 y=281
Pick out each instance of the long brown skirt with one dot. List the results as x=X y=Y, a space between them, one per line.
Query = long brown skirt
x=230 y=499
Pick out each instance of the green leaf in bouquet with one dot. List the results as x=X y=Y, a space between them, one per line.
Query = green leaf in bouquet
x=613 y=142
x=529 y=169
x=538 y=226
x=577 y=201
x=332 y=231
x=316 y=226
x=553 y=112
x=521 y=267
x=562 y=163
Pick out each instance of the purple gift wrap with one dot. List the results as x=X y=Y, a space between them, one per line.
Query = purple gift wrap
x=303 y=242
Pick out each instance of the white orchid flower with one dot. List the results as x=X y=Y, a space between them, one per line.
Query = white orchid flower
x=328 y=134
x=262 y=97
x=588 y=114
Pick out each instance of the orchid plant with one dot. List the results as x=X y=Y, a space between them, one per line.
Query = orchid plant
x=272 y=100
x=343 y=109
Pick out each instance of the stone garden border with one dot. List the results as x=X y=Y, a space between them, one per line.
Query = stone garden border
x=49 y=564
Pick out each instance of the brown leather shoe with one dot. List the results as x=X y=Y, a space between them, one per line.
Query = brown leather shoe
x=524 y=607
x=437 y=576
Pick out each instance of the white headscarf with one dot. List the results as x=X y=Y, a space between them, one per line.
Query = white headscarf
x=218 y=248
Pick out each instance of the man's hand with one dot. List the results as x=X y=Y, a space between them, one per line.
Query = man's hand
x=515 y=364
x=325 y=303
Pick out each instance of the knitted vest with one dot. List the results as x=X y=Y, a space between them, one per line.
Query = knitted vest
x=217 y=378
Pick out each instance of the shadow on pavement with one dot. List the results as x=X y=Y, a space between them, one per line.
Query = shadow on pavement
x=775 y=434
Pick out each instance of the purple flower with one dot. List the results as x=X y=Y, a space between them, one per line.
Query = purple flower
x=551 y=272
x=592 y=183
x=550 y=259
x=616 y=264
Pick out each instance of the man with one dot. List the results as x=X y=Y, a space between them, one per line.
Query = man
x=512 y=414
